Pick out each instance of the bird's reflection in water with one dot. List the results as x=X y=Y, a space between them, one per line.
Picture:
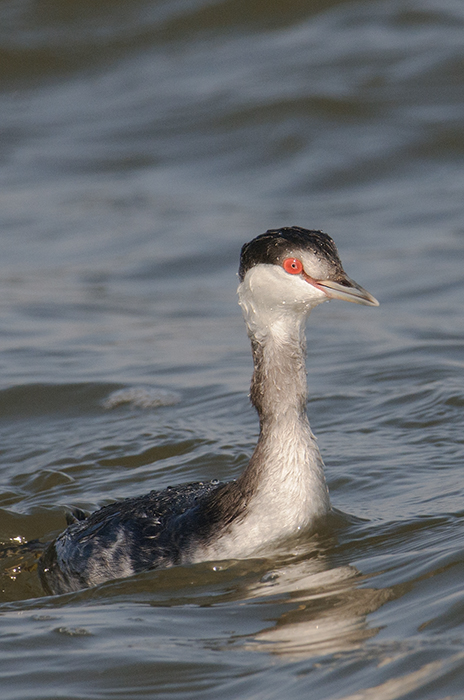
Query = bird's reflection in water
x=327 y=609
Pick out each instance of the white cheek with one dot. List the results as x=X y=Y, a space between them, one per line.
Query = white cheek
x=271 y=298
x=272 y=288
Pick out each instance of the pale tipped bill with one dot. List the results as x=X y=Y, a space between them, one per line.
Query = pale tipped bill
x=349 y=291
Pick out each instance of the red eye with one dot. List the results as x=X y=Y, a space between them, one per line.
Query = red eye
x=293 y=266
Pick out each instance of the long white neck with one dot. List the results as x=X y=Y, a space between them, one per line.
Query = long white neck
x=283 y=488
x=286 y=457
x=284 y=483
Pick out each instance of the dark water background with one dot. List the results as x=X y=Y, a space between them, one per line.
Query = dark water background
x=141 y=143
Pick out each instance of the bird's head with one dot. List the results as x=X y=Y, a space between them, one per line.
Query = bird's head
x=290 y=271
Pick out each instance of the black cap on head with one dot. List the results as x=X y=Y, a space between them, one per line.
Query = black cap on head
x=275 y=245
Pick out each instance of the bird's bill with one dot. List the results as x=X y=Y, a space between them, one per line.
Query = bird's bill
x=347 y=292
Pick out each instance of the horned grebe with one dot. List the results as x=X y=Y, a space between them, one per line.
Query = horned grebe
x=283 y=274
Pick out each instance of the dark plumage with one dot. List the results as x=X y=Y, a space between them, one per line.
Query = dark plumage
x=127 y=536
x=273 y=246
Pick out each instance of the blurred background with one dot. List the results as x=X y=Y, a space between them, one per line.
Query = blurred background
x=141 y=144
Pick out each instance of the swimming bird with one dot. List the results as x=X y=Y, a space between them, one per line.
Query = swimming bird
x=284 y=273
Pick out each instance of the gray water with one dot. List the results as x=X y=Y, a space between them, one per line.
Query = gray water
x=141 y=144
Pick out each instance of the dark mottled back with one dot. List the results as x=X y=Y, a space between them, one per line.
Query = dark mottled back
x=275 y=245
x=145 y=532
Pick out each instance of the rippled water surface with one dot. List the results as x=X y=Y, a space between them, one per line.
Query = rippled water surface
x=141 y=144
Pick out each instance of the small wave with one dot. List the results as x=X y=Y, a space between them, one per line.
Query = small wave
x=141 y=397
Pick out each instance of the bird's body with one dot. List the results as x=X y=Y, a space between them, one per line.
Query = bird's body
x=283 y=275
